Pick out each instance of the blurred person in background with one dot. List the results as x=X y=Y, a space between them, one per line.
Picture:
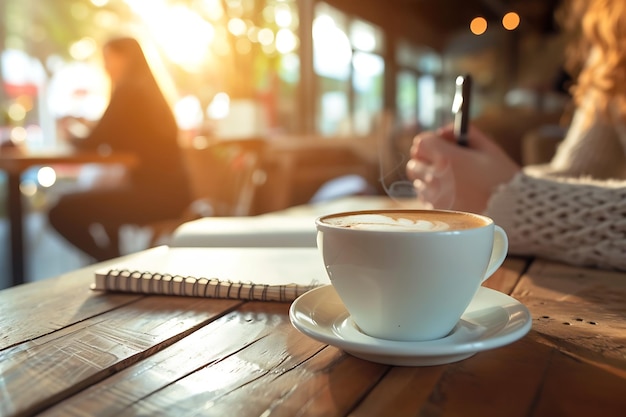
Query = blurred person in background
x=572 y=209
x=137 y=120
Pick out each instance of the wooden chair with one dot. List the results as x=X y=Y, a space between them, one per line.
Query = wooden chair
x=223 y=177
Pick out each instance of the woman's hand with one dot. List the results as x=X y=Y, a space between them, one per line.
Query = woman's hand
x=449 y=176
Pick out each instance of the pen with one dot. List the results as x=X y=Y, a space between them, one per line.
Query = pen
x=460 y=108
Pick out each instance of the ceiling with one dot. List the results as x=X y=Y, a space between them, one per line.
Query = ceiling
x=453 y=15
x=436 y=22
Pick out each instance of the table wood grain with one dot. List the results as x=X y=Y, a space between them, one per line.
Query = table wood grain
x=65 y=350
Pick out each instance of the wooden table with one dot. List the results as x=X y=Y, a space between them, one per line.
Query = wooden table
x=14 y=162
x=65 y=350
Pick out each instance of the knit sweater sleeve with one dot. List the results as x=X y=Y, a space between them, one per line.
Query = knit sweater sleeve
x=579 y=221
x=594 y=147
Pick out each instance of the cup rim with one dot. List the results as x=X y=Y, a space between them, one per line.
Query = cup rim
x=319 y=221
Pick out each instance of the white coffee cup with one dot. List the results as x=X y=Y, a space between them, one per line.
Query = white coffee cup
x=409 y=274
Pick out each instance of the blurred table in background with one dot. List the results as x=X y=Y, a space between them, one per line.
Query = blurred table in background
x=294 y=226
x=15 y=161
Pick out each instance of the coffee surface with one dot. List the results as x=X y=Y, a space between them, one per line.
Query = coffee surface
x=407 y=221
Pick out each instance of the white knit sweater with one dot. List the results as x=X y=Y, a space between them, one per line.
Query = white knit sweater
x=574 y=209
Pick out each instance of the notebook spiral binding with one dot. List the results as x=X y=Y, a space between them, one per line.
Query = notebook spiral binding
x=165 y=284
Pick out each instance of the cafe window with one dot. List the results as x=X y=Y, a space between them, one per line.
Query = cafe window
x=221 y=57
x=349 y=69
x=406 y=99
x=418 y=101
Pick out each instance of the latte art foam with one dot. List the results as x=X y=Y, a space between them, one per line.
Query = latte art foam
x=382 y=222
x=406 y=221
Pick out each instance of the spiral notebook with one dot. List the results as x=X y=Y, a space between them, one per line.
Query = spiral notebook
x=266 y=274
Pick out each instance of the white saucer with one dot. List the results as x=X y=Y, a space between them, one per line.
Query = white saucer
x=493 y=319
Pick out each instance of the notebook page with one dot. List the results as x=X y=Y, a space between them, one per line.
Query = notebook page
x=261 y=266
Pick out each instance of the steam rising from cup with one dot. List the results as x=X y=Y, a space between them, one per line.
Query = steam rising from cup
x=435 y=189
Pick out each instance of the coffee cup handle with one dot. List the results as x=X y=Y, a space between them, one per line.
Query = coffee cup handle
x=499 y=251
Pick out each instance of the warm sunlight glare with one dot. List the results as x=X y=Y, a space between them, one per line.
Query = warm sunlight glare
x=184 y=36
x=188 y=112
x=78 y=89
x=219 y=107
x=221 y=44
x=187 y=37
x=107 y=18
x=213 y=9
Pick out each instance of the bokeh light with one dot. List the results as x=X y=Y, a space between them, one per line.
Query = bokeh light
x=268 y=13
x=266 y=36
x=253 y=33
x=106 y=18
x=269 y=49
x=28 y=188
x=510 y=21
x=83 y=49
x=283 y=15
x=286 y=41
x=188 y=112
x=46 y=176
x=237 y=26
x=18 y=135
x=16 y=112
x=213 y=9
x=478 y=25
x=219 y=107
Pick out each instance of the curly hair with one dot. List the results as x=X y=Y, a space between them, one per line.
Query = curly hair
x=597 y=55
